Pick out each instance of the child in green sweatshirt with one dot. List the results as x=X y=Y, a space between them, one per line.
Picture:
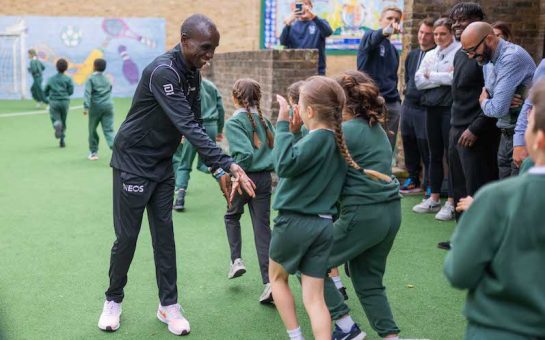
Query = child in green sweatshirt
x=97 y=102
x=59 y=88
x=498 y=248
x=251 y=140
x=36 y=69
x=370 y=212
x=312 y=171
x=212 y=115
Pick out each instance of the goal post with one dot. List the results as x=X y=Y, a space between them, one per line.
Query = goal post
x=13 y=75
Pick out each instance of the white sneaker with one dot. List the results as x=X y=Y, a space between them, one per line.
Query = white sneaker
x=109 y=319
x=237 y=269
x=427 y=206
x=172 y=316
x=446 y=213
x=266 y=296
x=92 y=156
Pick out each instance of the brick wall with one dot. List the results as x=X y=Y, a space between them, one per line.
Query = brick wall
x=526 y=17
x=275 y=70
x=238 y=21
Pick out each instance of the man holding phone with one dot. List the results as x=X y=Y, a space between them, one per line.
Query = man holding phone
x=379 y=59
x=303 y=29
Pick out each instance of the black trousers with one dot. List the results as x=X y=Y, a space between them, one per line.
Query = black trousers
x=131 y=195
x=471 y=168
x=415 y=141
x=260 y=212
x=438 y=126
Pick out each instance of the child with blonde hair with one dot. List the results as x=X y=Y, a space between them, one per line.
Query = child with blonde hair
x=312 y=171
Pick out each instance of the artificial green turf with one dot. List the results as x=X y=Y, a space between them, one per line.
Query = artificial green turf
x=56 y=234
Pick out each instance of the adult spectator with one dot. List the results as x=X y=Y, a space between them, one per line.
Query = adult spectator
x=519 y=145
x=304 y=29
x=502 y=30
x=413 y=114
x=434 y=76
x=379 y=58
x=473 y=137
x=508 y=71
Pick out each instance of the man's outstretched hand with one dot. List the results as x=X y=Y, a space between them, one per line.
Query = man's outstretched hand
x=240 y=182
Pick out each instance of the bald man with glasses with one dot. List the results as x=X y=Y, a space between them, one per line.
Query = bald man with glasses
x=508 y=70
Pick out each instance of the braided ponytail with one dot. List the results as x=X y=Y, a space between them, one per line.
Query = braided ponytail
x=328 y=99
x=256 y=143
x=270 y=137
x=248 y=94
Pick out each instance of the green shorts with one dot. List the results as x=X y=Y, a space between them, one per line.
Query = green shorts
x=302 y=243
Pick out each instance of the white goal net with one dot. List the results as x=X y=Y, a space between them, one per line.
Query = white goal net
x=12 y=66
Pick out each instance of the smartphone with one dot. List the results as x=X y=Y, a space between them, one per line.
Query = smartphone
x=298 y=8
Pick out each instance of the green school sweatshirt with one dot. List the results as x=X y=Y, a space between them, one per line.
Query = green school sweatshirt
x=98 y=91
x=239 y=134
x=312 y=171
x=211 y=104
x=36 y=68
x=370 y=148
x=498 y=254
x=59 y=87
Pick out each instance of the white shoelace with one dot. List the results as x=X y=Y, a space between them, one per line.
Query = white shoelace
x=111 y=308
x=174 y=311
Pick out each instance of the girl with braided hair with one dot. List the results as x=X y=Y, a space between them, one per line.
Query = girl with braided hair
x=370 y=212
x=251 y=138
x=312 y=171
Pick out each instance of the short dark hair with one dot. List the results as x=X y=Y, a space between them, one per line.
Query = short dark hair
x=62 y=65
x=196 y=22
x=428 y=21
x=99 y=65
x=504 y=28
x=538 y=100
x=468 y=10
x=446 y=22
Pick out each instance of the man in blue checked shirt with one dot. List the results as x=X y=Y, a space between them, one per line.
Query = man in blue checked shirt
x=508 y=70
x=519 y=145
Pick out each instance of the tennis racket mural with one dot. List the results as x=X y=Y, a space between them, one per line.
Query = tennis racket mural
x=127 y=45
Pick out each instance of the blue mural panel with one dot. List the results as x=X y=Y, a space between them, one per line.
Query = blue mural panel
x=349 y=20
x=127 y=44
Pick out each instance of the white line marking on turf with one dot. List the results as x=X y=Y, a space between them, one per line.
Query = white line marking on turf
x=28 y=113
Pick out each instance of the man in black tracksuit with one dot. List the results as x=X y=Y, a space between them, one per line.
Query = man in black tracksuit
x=473 y=137
x=165 y=107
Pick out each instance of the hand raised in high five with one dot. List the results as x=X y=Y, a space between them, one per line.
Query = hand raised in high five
x=295 y=120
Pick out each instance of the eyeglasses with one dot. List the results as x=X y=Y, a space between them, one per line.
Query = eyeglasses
x=473 y=49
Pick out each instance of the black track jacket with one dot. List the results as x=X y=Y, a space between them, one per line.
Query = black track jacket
x=165 y=107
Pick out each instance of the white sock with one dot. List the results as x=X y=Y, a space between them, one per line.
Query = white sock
x=394 y=338
x=337 y=281
x=296 y=334
x=345 y=324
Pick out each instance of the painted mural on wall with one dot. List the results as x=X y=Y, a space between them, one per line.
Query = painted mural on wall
x=127 y=44
x=349 y=20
